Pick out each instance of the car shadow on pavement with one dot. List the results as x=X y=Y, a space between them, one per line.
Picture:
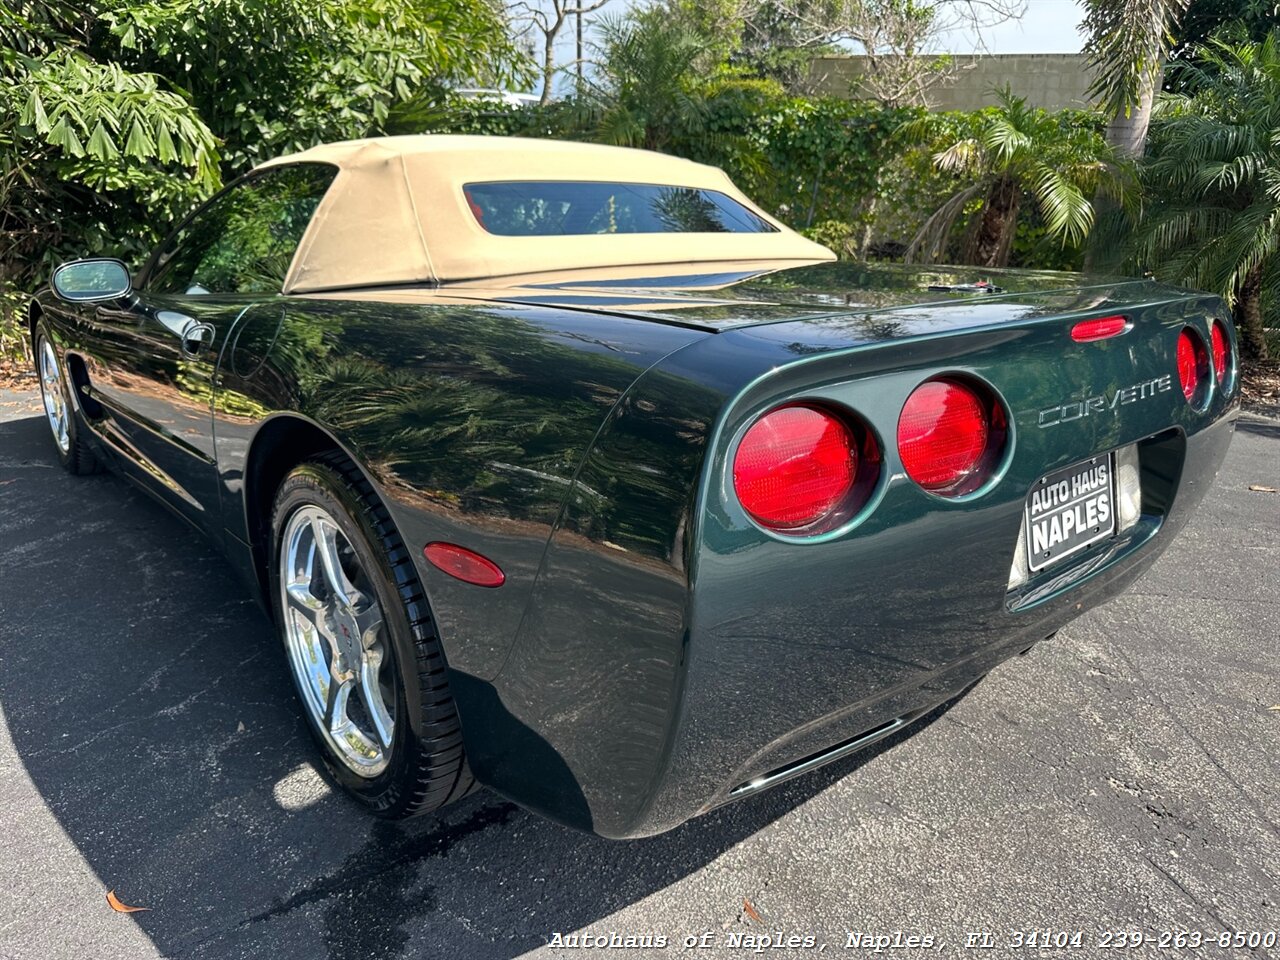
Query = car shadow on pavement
x=152 y=711
x=1259 y=427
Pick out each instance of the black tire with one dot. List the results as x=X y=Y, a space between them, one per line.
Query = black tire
x=426 y=767
x=77 y=457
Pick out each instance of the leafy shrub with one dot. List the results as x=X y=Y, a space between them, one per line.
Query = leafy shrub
x=12 y=337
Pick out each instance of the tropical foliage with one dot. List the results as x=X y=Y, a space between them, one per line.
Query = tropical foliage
x=88 y=150
x=808 y=159
x=272 y=76
x=646 y=93
x=1213 y=217
x=1128 y=43
x=1230 y=20
x=118 y=115
x=1059 y=161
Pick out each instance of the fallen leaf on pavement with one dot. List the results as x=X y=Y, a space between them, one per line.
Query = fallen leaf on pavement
x=751 y=911
x=1259 y=488
x=119 y=907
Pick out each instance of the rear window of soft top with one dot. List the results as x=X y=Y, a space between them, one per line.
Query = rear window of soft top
x=546 y=208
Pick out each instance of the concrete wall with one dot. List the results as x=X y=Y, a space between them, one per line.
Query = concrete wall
x=1050 y=80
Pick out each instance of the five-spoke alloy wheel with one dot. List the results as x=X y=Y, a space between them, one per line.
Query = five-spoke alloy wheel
x=54 y=396
x=335 y=637
x=55 y=391
x=361 y=643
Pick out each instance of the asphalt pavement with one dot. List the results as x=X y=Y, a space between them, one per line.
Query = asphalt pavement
x=1124 y=777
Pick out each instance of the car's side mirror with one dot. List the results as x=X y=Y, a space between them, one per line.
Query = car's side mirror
x=86 y=281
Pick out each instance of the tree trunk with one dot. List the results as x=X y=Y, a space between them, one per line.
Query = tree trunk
x=548 y=65
x=870 y=206
x=864 y=243
x=1128 y=133
x=578 y=60
x=994 y=237
x=1253 y=339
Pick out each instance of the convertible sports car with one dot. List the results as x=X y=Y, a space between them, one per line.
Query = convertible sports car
x=570 y=471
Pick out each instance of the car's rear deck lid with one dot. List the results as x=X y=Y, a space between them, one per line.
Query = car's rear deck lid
x=859 y=301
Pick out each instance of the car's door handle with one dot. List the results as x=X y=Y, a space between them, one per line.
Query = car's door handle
x=196 y=337
x=193 y=335
x=176 y=323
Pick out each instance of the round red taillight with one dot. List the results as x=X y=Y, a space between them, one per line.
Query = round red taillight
x=794 y=466
x=945 y=434
x=1221 y=352
x=1193 y=363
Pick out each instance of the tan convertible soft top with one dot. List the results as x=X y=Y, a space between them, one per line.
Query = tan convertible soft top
x=396 y=214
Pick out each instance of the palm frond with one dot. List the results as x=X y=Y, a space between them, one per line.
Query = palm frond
x=960 y=156
x=1127 y=45
x=929 y=245
x=1067 y=211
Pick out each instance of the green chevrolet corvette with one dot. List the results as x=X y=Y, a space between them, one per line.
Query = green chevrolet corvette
x=569 y=471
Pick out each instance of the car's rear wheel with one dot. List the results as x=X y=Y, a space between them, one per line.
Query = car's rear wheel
x=55 y=392
x=362 y=645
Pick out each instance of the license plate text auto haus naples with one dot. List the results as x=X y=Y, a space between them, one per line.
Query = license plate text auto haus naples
x=1069 y=510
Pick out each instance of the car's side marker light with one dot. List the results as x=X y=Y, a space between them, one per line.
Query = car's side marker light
x=466 y=565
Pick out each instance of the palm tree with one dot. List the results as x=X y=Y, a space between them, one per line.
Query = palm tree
x=1214 y=181
x=1129 y=41
x=659 y=87
x=649 y=90
x=1055 y=159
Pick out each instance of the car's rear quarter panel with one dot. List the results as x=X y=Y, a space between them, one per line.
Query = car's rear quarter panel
x=471 y=421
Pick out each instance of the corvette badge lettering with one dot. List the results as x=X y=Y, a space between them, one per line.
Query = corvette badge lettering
x=1078 y=409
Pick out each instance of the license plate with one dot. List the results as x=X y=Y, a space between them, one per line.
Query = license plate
x=1070 y=509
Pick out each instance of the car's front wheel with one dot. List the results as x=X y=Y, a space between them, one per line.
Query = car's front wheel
x=55 y=392
x=361 y=644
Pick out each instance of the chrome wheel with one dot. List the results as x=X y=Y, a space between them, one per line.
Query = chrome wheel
x=339 y=647
x=55 y=398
